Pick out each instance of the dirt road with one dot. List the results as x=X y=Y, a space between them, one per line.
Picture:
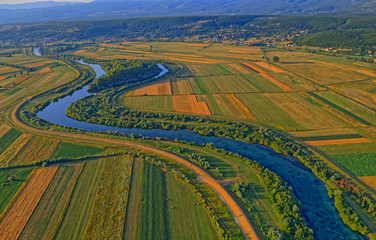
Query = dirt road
x=238 y=214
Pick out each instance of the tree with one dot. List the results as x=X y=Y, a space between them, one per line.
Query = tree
x=275 y=59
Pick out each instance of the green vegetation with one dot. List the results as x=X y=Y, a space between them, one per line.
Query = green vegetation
x=108 y=214
x=153 y=213
x=78 y=213
x=330 y=137
x=347 y=214
x=188 y=218
x=361 y=164
x=10 y=182
x=72 y=150
x=361 y=120
x=124 y=72
x=8 y=138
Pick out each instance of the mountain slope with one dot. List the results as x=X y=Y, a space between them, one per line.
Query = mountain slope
x=105 y=9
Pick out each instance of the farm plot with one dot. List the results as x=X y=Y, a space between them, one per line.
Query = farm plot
x=108 y=214
x=154 y=103
x=72 y=150
x=231 y=106
x=163 y=88
x=11 y=152
x=350 y=108
x=189 y=104
x=5 y=70
x=78 y=212
x=337 y=141
x=260 y=83
x=268 y=77
x=3 y=129
x=38 y=64
x=348 y=148
x=361 y=164
x=20 y=209
x=169 y=209
x=227 y=84
x=181 y=86
x=37 y=149
x=305 y=113
x=10 y=181
x=269 y=67
x=323 y=73
x=152 y=220
x=187 y=217
x=235 y=68
x=42 y=222
x=8 y=138
x=369 y=180
x=258 y=103
x=208 y=70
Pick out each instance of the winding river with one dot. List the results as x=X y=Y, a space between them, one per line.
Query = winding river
x=318 y=209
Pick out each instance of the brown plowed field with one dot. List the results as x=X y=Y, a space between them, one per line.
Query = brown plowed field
x=338 y=141
x=267 y=77
x=163 y=88
x=23 y=206
x=189 y=103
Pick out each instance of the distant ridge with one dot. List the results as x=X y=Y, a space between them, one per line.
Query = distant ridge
x=112 y=9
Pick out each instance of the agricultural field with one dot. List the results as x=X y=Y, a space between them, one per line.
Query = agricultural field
x=73 y=150
x=11 y=181
x=325 y=102
x=168 y=208
x=18 y=212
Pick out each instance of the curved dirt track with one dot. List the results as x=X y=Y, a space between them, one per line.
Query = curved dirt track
x=238 y=214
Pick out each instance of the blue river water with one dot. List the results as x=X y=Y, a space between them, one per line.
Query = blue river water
x=36 y=52
x=317 y=208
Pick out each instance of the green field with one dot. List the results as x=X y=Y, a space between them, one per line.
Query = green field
x=9 y=187
x=361 y=164
x=153 y=213
x=160 y=103
x=80 y=206
x=168 y=209
x=72 y=150
x=45 y=216
x=330 y=137
x=257 y=103
x=108 y=214
x=8 y=138
x=188 y=219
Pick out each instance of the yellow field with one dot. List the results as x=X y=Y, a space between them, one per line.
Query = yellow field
x=163 y=88
x=189 y=104
x=37 y=149
x=269 y=78
x=23 y=206
x=3 y=129
x=369 y=180
x=11 y=152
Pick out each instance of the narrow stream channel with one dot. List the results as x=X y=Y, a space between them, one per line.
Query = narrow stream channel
x=318 y=209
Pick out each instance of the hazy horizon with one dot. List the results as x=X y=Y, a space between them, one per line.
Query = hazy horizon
x=31 y=1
